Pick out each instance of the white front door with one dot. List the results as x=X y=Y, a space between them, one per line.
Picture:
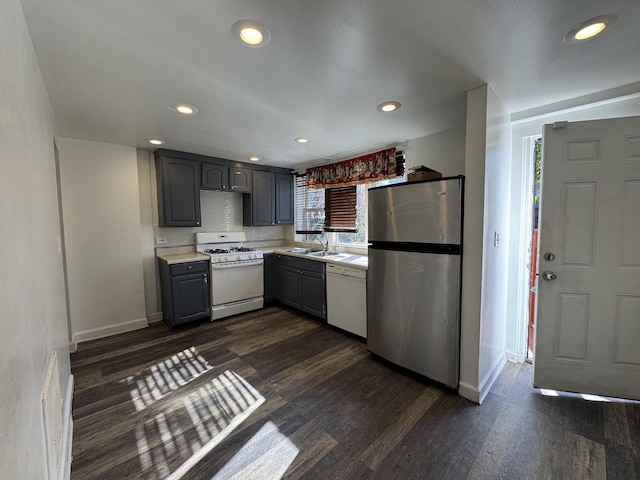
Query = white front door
x=588 y=303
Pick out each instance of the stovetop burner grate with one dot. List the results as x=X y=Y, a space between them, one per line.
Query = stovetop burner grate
x=228 y=250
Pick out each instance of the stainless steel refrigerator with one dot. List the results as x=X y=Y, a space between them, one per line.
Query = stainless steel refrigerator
x=414 y=276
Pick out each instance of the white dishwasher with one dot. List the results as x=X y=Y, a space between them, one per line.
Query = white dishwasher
x=347 y=298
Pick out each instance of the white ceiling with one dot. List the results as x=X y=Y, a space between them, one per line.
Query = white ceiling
x=112 y=68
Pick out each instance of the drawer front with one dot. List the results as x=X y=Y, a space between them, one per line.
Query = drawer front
x=188 y=267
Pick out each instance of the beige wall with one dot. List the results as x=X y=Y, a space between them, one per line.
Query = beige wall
x=33 y=316
x=443 y=152
x=102 y=227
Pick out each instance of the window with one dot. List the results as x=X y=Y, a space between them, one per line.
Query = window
x=329 y=214
x=359 y=237
x=309 y=209
x=340 y=209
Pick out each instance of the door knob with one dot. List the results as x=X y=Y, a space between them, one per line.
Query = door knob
x=549 y=275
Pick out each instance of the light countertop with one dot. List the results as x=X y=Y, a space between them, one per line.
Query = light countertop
x=355 y=260
x=351 y=259
x=184 y=257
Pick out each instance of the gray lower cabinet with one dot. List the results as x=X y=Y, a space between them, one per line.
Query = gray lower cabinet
x=313 y=293
x=303 y=285
x=185 y=292
x=271 y=278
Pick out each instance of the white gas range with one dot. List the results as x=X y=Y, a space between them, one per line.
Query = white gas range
x=237 y=278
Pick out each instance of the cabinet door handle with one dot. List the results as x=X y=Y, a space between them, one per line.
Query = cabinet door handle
x=189 y=267
x=205 y=280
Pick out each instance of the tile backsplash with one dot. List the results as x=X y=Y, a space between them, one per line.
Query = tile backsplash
x=221 y=212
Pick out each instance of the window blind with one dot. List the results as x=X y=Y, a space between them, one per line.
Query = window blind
x=340 y=207
x=310 y=213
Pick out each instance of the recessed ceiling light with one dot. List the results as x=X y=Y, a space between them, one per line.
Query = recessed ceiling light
x=302 y=140
x=590 y=28
x=251 y=33
x=254 y=158
x=155 y=141
x=184 y=109
x=388 y=106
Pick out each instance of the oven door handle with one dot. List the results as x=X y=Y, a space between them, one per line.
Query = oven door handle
x=239 y=264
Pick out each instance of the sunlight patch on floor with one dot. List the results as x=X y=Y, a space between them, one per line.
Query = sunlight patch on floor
x=176 y=439
x=155 y=382
x=267 y=456
x=585 y=396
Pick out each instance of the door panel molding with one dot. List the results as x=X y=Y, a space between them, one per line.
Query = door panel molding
x=571 y=336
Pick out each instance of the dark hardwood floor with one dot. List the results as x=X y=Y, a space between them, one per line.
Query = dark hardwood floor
x=275 y=394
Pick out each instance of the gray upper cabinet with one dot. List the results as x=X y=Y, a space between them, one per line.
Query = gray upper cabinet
x=271 y=200
x=178 y=182
x=284 y=199
x=215 y=177
x=223 y=177
x=240 y=180
x=267 y=192
x=263 y=199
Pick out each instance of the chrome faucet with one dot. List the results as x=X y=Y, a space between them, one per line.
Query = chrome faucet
x=325 y=246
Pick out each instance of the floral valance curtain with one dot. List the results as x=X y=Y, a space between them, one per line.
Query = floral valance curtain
x=365 y=169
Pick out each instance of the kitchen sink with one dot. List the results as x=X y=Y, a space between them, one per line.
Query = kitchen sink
x=299 y=250
x=322 y=253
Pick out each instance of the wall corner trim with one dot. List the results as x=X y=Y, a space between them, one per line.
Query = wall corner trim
x=515 y=357
x=155 y=317
x=478 y=394
x=107 y=331
x=469 y=392
x=489 y=380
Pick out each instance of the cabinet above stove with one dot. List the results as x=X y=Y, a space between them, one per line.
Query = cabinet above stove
x=180 y=176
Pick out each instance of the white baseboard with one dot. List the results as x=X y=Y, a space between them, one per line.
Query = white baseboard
x=67 y=434
x=469 y=392
x=515 y=357
x=110 y=330
x=155 y=317
x=490 y=379
x=478 y=394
